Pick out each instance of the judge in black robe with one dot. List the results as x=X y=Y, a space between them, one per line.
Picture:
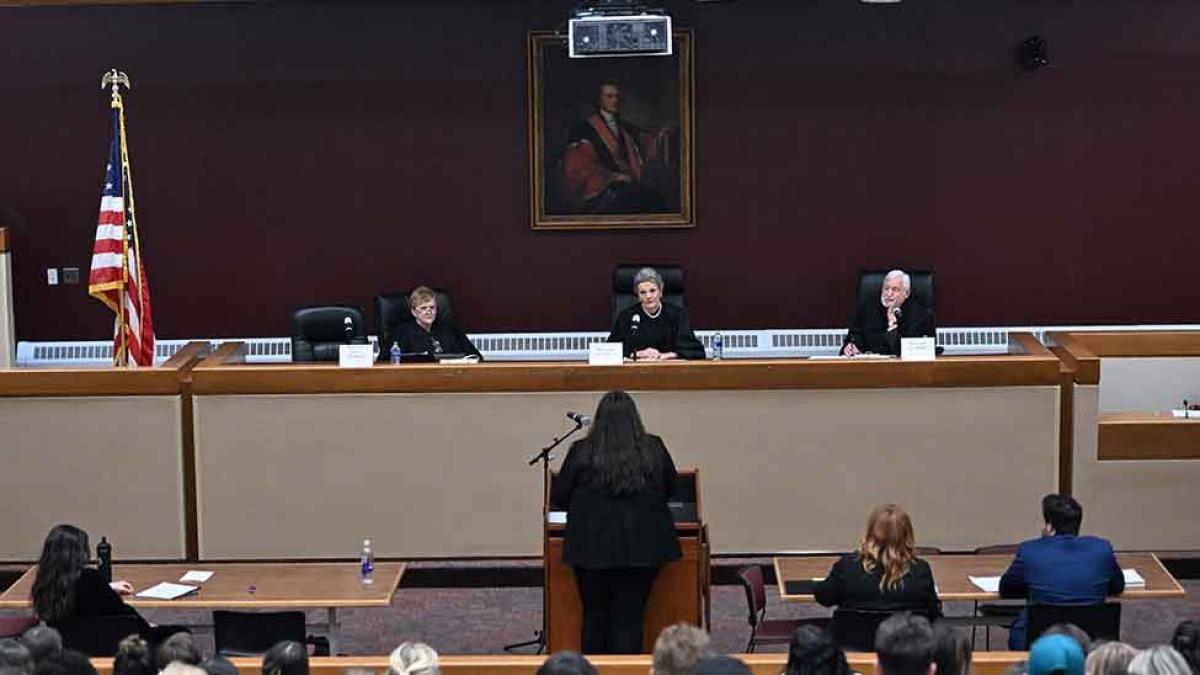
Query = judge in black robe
x=871 y=331
x=653 y=330
x=426 y=332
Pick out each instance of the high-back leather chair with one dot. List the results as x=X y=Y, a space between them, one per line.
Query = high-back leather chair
x=318 y=331
x=391 y=309
x=624 y=295
x=870 y=284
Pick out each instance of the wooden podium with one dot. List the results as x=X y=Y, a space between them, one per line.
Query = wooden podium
x=680 y=593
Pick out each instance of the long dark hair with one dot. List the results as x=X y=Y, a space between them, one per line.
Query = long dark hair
x=621 y=457
x=812 y=651
x=64 y=555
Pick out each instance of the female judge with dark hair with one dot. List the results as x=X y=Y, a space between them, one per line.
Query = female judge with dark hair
x=884 y=574
x=615 y=484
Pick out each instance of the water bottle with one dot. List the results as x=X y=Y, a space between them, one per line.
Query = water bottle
x=104 y=556
x=366 y=560
x=718 y=347
x=395 y=352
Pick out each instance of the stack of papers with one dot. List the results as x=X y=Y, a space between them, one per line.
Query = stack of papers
x=986 y=584
x=1133 y=579
x=167 y=591
x=196 y=577
x=556 y=517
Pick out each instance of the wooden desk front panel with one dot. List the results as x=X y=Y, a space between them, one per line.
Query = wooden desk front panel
x=109 y=464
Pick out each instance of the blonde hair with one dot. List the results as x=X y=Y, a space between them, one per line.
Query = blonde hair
x=420 y=295
x=1159 y=660
x=679 y=648
x=413 y=658
x=888 y=544
x=1109 y=658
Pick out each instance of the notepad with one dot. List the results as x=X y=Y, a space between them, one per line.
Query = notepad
x=167 y=591
x=556 y=517
x=1132 y=578
x=986 y=584
x=196 y=576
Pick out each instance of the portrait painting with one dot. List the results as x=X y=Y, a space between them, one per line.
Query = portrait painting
x=610 y=138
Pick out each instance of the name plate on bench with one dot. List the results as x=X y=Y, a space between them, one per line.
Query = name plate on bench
x=605 y=353
x=356 y=356
x=917 y=349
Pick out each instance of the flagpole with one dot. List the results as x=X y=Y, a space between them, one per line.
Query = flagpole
x=115 y=79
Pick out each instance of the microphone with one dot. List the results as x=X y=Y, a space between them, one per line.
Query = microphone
x=896 y=312
x=349 y=327
x=635 y=322
x=580 y=419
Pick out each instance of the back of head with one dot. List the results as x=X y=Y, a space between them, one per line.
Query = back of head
x=678 y=648
x=413 y=658
x=65 y=554
x=1159 y=660
x=1109 y=658
x=134 y=658
x=566 y=663
x=1186 y=641
x=66 y=662
x=621 y=459
x=1062 y=513
x=889 y=544
x=1074 y=632
x=812 y=651
x=42 y=641
x=721 y=665
x=218 y=665
x=285 y=658
x=1055 y=655
x=952 y=650
x=904 y=644
x=181 y=668
x=179 y=647
x=15 y=658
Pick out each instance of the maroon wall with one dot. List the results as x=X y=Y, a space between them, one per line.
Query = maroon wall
x=304 y=152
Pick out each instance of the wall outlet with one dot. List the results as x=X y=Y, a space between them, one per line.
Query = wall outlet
x=70 y=275
x=52 y=276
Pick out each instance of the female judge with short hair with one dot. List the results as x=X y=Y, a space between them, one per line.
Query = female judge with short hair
x=653 y=330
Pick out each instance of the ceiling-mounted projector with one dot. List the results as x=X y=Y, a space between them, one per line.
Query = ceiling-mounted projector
x=612 y=29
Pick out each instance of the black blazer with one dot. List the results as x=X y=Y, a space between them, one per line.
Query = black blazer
x=849 y=586
x=868 y=328
x=414 y=339
x=94 y=598
x=606 y=530
x=669 y=332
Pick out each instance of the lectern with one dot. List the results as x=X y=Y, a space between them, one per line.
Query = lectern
x=680 y=593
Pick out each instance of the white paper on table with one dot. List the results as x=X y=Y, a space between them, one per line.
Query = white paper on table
x=986 y=584
x=196 y=576
x=556 y=517
x=167 y=591
x=1132 y=578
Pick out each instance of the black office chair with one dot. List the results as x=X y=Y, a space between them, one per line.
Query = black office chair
x=253 y=633
x=1100 y=622
x=317 y=332
x=391 y=309
x=624 y=295
x=870 y=284
x=99 y=636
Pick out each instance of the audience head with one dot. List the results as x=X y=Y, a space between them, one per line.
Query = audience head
x=134 y=657
x=1159 y=660
x=1062 y=514
x=422 y=302
x=1109 y=658
x=413 y=658
x=952 y=650
x=678 y=648
x=1074 y=632
x=181 y=668
x=286 y=658
x=812 y=651
x=66 y=662
x=42 y=641
x=358 y=670
x=1187 y=642
x=179 y=647
x=1055 y=655
x=15 y=658
x=65 y=554
x=566 y=663
x=721 y=665
x=219 y=665
x=889 y=544
x=904 y=644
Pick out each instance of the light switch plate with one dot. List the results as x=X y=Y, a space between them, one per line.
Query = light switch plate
x=52 y=276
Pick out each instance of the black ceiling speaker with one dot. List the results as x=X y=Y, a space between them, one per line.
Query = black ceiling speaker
x=1032 y=54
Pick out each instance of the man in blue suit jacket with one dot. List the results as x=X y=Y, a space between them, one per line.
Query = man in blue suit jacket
x=1060 y=568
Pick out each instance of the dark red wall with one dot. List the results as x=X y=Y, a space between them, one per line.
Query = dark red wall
x=304 y=152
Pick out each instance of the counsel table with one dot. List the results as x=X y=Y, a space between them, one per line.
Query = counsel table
x=327 y=586
x=950 y=573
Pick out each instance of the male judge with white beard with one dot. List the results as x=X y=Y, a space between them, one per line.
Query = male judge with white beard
x=653 y=330
x=878 y=326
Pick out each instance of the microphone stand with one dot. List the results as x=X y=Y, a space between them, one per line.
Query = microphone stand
x=539 y=636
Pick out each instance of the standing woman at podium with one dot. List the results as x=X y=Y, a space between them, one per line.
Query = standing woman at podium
x=615 y=484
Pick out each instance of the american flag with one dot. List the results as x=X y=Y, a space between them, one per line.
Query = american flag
x=118 y=277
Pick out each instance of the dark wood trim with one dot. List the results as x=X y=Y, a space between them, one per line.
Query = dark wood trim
x=188 y=358
x=1084 y=363
x=88 y=382
x=3 y=240
x=1141 y=343
x=1066 y=424
x=1147 y=436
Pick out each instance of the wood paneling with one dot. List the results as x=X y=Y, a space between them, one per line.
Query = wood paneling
x=1078 y=357
x=1146 y=436
x=1141 y=343
x=164 y=379
x=3 y=240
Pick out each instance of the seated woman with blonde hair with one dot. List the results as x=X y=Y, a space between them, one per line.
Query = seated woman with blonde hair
x=884 y=574
x=413 y=658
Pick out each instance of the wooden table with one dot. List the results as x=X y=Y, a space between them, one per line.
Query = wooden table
x=950 y=573
x=327 y=586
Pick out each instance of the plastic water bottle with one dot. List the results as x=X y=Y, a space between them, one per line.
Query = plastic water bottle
x=104 y=556
x=395 y=353
x=366 y=563
x=718 y=347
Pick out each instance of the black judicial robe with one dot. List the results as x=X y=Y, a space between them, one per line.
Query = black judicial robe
x=668 y=332
x=442 y=338
x=869 y=332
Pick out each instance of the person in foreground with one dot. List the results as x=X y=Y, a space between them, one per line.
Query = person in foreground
x=566 y=663
x=1055 y=655
x=884 y=574
x=878 y=326
x=1109 y=658
x=134 y=657
x=1186 y=641
x=812 y=651
x=1159 y=660
x=1060 y=567
x=904 y=645
x=721 y=665
x=285 y=658
x=615 y=484
x=952 y=649
x=67 y=592
x=15 y=658
x=426 y=333
x=413 y=658
x=678 y=649
x=653 y=330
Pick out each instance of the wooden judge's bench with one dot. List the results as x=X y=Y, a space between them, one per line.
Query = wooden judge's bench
x=680 y=592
